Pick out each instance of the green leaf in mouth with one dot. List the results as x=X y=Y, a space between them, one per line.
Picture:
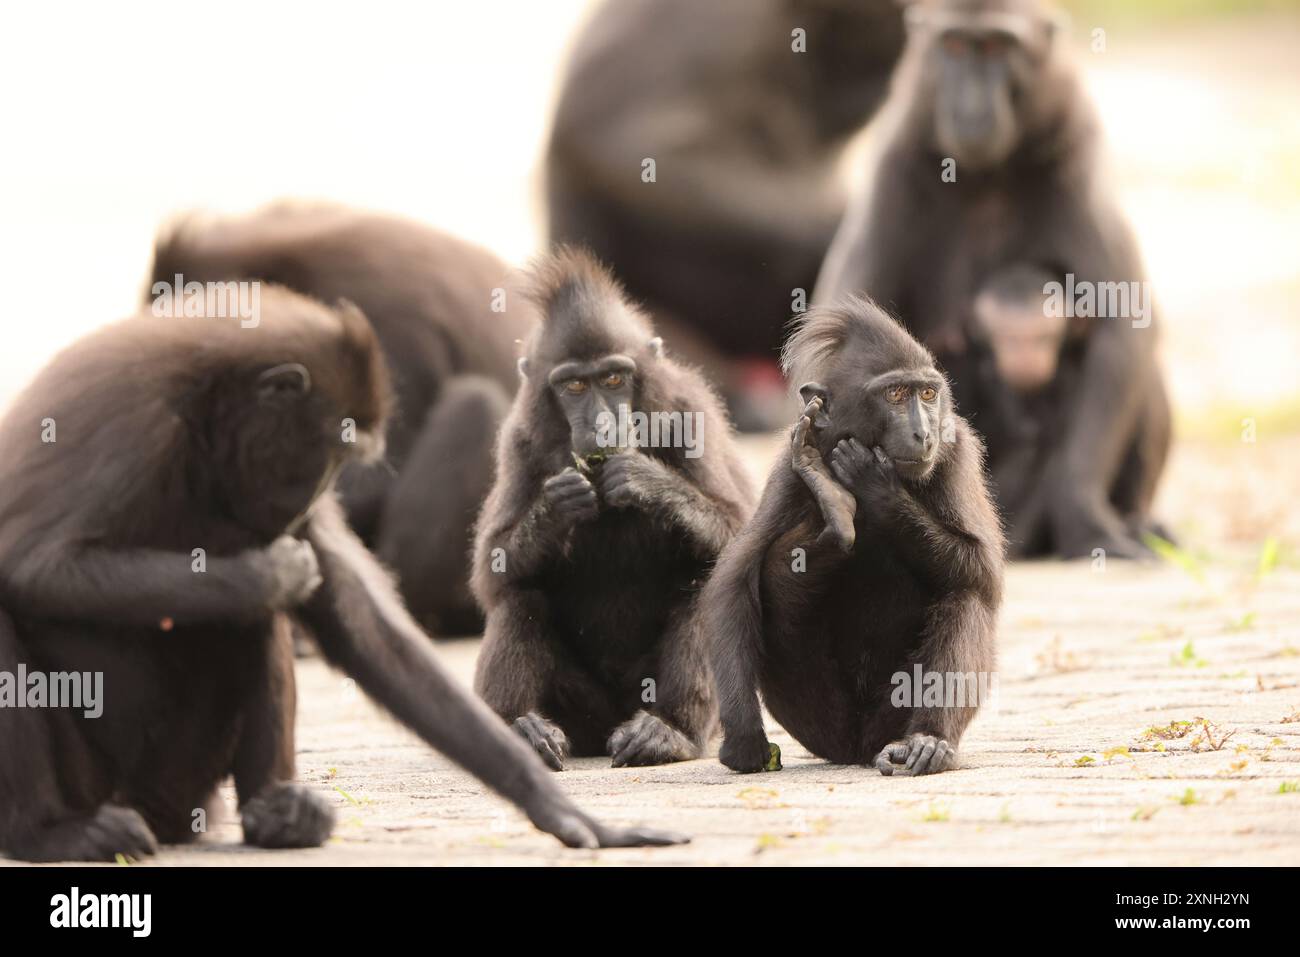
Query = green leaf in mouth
x=591 y=462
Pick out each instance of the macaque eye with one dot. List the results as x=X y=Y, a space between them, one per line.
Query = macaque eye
x=575 y=387
x=897 y=394
x=928 y=394
x=955 y=43
x=996 y=44
x=612 y=381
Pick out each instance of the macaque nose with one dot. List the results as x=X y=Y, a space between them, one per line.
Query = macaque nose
x=923 y=438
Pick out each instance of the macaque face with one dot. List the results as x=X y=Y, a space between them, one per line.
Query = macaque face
x=983 y=66
x=1024 y=337
x=591 y=394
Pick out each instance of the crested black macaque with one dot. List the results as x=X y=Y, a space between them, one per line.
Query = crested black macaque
x=747 y=122
x=596 y=538
x=990 y=158
x=1014 y=360
x=874 y=554
x=1020 y=361
x=449 y=332
x=166 y=504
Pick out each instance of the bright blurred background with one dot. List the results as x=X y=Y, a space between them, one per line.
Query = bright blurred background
x=116 y=116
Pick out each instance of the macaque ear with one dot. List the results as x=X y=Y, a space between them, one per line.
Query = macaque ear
x=656 y=347
x=284 y=382
x=815 y=390
x=522 y=366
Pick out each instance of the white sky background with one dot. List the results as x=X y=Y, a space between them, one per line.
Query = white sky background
x=114 y=116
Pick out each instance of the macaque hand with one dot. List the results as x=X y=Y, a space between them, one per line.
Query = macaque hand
x=293 y=574
x=869 y=475
x=628 y=479
x=570 y=498
x=918 y=754
x=576 y=829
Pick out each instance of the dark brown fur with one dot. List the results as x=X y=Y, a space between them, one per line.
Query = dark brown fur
x=587 y=608
x=747 y=135
x=177 y=434
x=1030 y=191
x=909 y=571
x=429 y=297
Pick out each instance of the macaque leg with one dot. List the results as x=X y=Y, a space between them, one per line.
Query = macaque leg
x=515 y=666
x=38 y=822
x=274 y=811
x=836 y=503
x=733 y=613
x=426 y=529
x=362 y=627
x=959 y=642
x=1135 y=487
x=679 y=720
x=1028 y=531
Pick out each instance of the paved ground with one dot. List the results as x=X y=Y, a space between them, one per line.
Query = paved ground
x=1062 y=772
x=1090 y=661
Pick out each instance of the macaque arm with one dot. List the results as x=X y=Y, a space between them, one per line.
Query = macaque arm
x=732 y=191
x=680 y=501
x=524 y=540
x=958 y=641
x=943 y=551
x=732 y=608
x=1098 y=247
x=138 y=586
x=530 y=542
x=942 y=540
x=859 y=259
x=363 y=628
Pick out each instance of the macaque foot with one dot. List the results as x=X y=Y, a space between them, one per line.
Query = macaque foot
x=575 y=829
x=835 y=502
x=1130 y=549
x=917 y=753
x=1114 y=545
x=287 y=815
x=102 y=836
x=646 y=739
x=1150 y=526
x=545 y=737
x=1082 y=526
x=746 y=753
